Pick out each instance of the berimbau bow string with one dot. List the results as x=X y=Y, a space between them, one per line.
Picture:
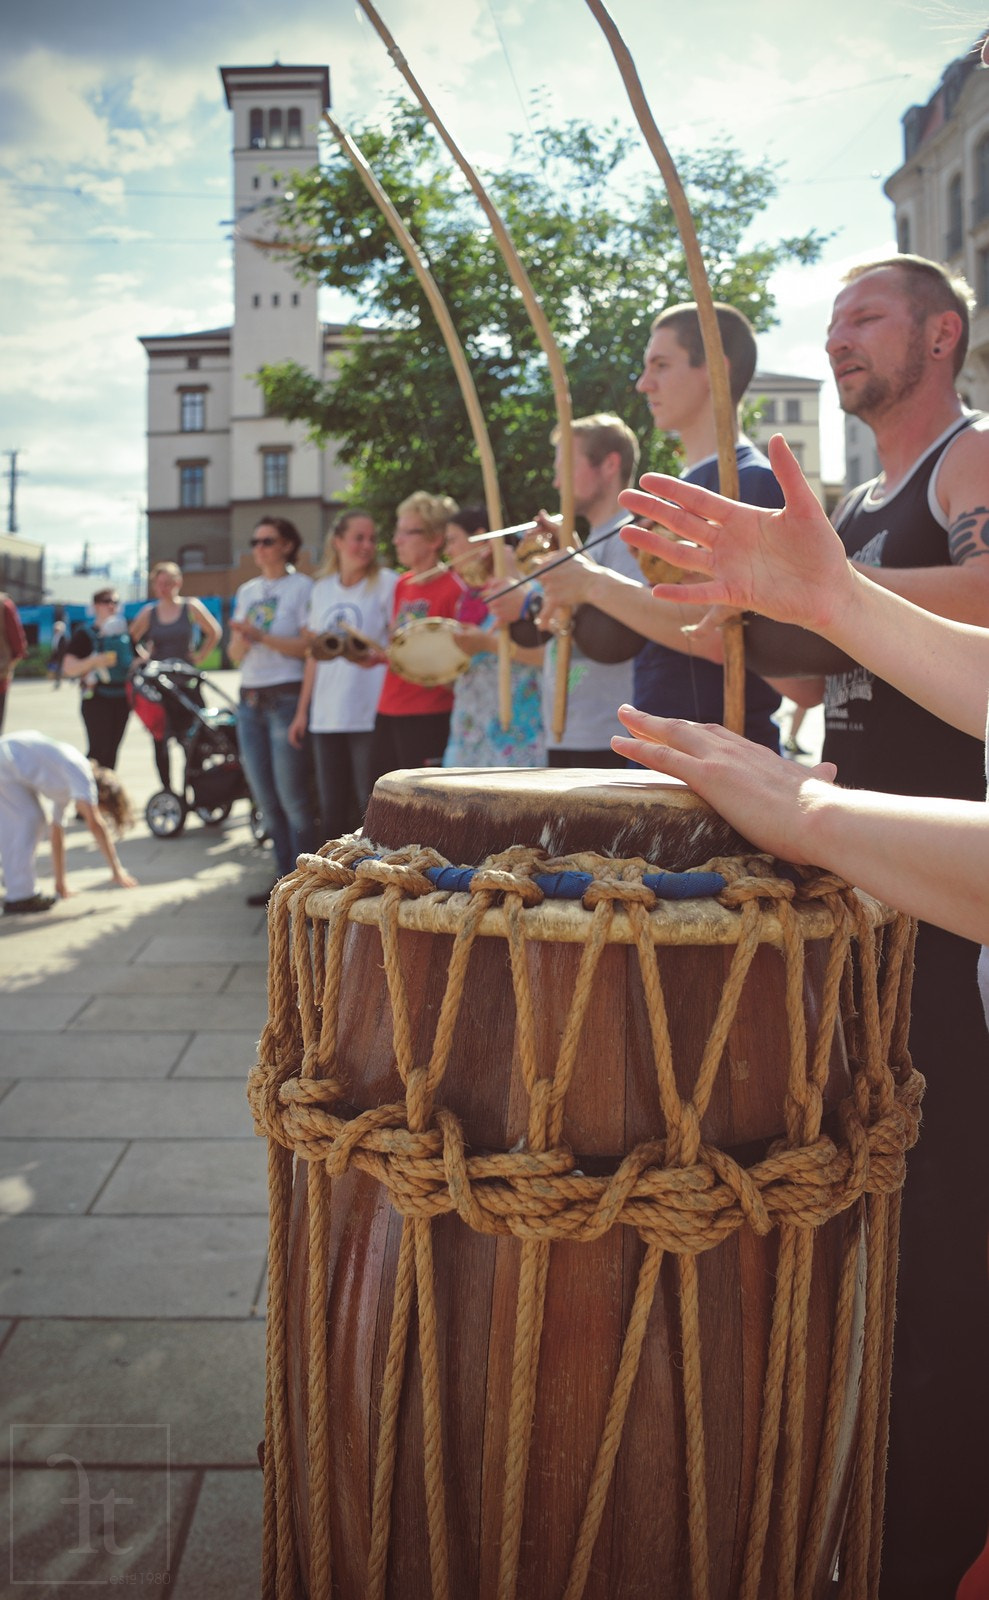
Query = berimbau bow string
x=714 y=355
x=541 y=327
x=455 y=350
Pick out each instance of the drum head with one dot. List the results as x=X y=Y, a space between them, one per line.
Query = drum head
x=425 y=652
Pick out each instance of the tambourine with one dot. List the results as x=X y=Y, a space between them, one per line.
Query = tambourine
x=425 y=652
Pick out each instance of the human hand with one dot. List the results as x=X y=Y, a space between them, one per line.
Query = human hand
x=566 y=584
x=297 y=729
x=766 y=799
x=507 y=608
x=787 y=564
x=473 y=641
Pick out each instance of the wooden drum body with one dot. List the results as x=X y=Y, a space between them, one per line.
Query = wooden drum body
x=585 y=1287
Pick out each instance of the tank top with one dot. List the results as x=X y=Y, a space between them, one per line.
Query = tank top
x=170 y=641
x=876 y=736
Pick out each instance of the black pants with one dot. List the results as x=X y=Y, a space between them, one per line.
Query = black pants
x=585 y=758
x=409 y=742
x=105 y=717
x=343 y=779
x=937 y=1486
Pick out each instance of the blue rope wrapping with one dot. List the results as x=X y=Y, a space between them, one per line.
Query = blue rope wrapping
x=574 y=885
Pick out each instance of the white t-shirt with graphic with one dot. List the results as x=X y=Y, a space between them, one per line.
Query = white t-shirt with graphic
x=345 y=697
x=277 y=606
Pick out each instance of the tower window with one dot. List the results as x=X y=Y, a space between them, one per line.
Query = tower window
x=274 y=473
x=192 y=410
x=192 y=484
x=255 y=182
x=982 y=278
x=276 y=135
x=255 y=299
x=793 y=411
x=294 y=138
x=903 y=235
x=276 y=299
x=192 y=362
x=295 y=299
x=953 y=239
x=257 y=128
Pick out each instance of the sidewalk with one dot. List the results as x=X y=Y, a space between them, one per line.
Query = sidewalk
x=132 y=1193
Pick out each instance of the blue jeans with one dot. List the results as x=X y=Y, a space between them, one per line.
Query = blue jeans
x=278 y=775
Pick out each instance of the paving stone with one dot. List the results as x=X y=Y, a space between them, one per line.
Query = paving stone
x=219 y=1055
x=96 y=978
x=189 y=1177
x=134 y=1516
x=171 y=1013
x=114 y=1055
x=131 y=1266
x=251 y=977
x=29 y=1012
x=178 y=949
x=53 y=1176
x=222 y=1556
x=204 y=1379
x=166 y=1109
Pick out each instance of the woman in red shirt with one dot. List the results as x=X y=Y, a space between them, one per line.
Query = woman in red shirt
x=413 y=723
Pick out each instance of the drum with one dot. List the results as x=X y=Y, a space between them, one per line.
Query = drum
x=352 y=645
x=328 y=646
x=584 y=1162
x=426 y=652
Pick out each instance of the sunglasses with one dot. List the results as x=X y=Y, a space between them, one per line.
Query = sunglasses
x=264 y=541
x=113 y=602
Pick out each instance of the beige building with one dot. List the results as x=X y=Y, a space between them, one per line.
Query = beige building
x=941 y=196
x=791 y=406
x=216 y=459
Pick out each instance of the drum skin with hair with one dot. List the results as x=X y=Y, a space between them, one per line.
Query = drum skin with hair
x=578 y=1284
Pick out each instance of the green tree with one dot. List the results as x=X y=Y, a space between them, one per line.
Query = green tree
x=602 y=250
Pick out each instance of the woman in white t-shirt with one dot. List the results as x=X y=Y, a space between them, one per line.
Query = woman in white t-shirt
x=339 y=698
x=266 y=639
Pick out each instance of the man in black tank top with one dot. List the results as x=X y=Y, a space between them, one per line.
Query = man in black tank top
x=896 y=343
x=921 y=531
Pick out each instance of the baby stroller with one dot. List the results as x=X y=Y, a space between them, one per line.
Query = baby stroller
x=167 y=697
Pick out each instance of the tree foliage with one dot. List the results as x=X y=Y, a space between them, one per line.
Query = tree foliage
x=602 y=250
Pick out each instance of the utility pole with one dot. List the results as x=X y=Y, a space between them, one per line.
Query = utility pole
x=12 y=476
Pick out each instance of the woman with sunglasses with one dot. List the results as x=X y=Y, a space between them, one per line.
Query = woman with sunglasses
x=267 y=641
x=100 y=654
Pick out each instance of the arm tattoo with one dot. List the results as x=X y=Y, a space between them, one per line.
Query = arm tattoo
x=968 y=535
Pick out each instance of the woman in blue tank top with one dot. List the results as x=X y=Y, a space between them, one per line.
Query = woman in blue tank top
x=165 y=631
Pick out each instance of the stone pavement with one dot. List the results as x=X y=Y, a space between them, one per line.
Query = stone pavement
x=132 y=1193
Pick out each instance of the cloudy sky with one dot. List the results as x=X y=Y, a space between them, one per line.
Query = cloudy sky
x=115 y=174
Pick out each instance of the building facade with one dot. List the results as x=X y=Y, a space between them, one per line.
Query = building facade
x=791 y=406
x=216 y=459
x=941 y=196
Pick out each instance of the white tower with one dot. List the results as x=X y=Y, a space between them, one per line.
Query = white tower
x=216 y=460
x=276 y=114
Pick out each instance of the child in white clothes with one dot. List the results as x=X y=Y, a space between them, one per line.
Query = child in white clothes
x=33 y=766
